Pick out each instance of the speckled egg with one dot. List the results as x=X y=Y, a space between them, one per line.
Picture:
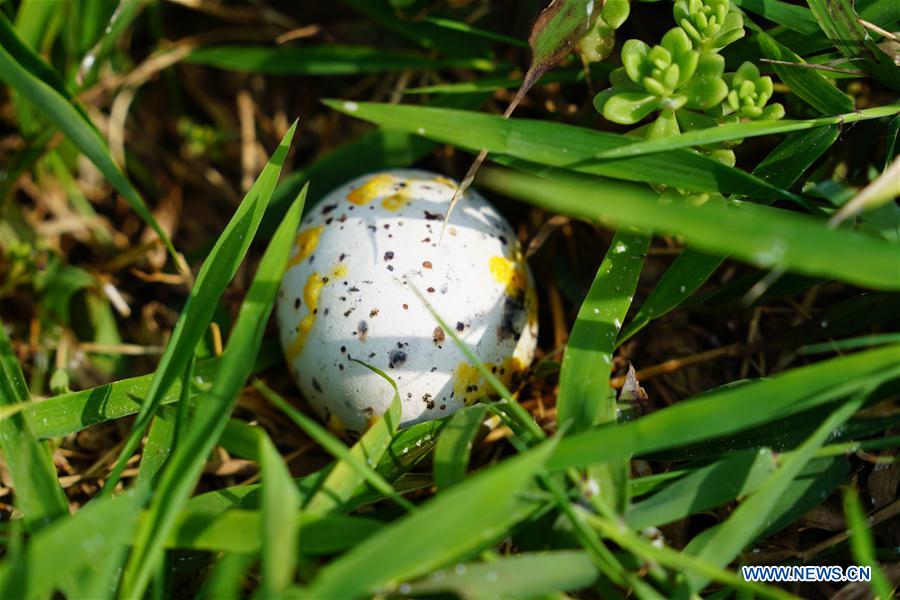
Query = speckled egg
x=347 y=294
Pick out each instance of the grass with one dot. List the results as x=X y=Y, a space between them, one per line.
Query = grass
x=156 y=161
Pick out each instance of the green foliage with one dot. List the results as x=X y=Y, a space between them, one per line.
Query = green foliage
x=788 y=356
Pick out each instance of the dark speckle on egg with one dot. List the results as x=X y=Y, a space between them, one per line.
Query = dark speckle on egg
x=396 y=358
x=362 y=331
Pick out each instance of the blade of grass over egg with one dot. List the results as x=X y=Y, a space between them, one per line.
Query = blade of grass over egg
x=732 y=131
x=839 y=21
x=322 y=60
x=753 y=514
x=37 y=493
x=563 y=146
x=279 y=535
x=449 y=526
x=526 y=575
x=862 y=545
x=584 y=398
x=809 y=85
x=71 y=120
x=334 y=446
x=180 y=474
x=714 y=414
x=521 y=416
x=759 y=235
x=346 y=478
x=782 y=167
x=454 y=446
x=216 y=272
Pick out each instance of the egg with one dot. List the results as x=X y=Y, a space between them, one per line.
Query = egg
x=349 y=294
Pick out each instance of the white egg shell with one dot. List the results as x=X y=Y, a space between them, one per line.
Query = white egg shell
x=347 y=294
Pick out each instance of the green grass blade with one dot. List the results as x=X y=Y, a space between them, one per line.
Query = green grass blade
x=563 y=146
x=809 y=85
x=118 y=25
x=584 y=398
x=705 y=488
x=227 y=580
x=839 y=21
x=732 y=131
x=279 y=535
x=798 y=18
x=74 y=124
x=241 y=531
x=520 y=419
x=713 y=414
x=454 y=446
x=322 y=60
x=526 y=575
x=475 y=31
x=218 y=269
x=37 y=492
x=782 y=167
x=469 y=515
x=72 y=548
x=753 y=514
x=159 y=444
x=427 y=35
x=68 y=413
x=373 y=151
x=862 y=545
x=818 y=480
x=762 y=236
x=681 y=561
x=345 y=478
x=184 y=467
x=599 y=72
x=334 y=446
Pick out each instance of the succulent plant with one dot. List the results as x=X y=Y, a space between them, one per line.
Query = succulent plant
x=711 y=24
x=749 y=94
x=666 y=77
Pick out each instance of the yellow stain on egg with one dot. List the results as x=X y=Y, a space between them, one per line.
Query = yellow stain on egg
x=371 y=189
x=339 y=271
x=507 y=272
x=445 y=181
x=306 y=243
x=502 y=269
x=336 y=426
x=466 y=382
x=311 y=292
x=395 y=202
